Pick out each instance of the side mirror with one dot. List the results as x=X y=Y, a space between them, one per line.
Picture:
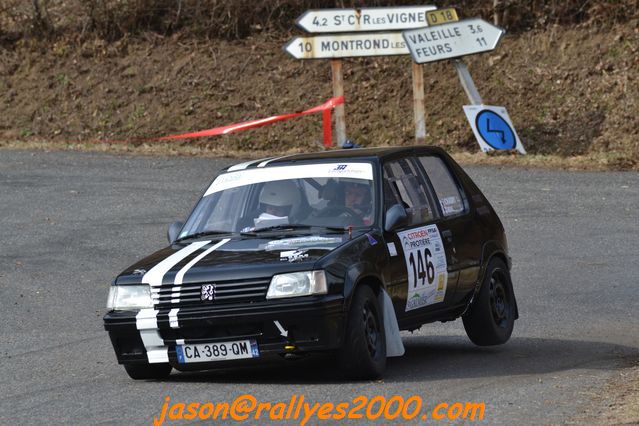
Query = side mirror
x=395 y=217
x=173 y=231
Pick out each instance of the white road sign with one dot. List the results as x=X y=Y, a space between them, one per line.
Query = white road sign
x=365 y=19
x=347 y=45
x=452 y=40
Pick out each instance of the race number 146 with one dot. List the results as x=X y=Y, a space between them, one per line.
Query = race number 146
x=423 y=267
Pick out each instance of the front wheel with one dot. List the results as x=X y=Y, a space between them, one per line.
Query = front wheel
x=492 y=314
x=148 y=371
x=363 y=355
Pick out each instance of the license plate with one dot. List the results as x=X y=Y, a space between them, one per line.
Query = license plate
x=441 y=16
x=221 y=351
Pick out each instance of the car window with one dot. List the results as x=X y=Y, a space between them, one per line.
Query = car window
x=318 y=194
x=312 y=189
x=402 y=185
x=221 y=211
x=447 y=190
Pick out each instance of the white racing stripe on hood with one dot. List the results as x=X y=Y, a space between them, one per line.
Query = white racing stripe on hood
x=155 y=275
x=180 y=275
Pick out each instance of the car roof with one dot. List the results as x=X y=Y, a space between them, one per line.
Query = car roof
x=366 y=154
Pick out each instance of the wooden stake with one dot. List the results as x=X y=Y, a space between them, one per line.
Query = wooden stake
x=338 y=90
x=418 y=104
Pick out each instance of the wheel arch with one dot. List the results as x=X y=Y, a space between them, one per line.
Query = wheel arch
x=371 y=280
x=354 y=359
x=491 y=250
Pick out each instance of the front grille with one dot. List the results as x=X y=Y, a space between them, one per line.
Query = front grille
x=234 y=291
x=211 y=330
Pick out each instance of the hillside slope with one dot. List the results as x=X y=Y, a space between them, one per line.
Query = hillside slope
x=573 y=94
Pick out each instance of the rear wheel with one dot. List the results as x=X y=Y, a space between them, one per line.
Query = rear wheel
x=148 y=371
x=492 y=314
x=363 y=355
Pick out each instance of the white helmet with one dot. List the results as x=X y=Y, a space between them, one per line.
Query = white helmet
x=280 y=193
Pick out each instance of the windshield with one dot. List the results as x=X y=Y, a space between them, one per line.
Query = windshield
x=334 y=195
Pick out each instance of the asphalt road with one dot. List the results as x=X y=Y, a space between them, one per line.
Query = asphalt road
x=71 y=221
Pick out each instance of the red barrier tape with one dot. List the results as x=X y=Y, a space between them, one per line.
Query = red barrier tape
x=325 y=108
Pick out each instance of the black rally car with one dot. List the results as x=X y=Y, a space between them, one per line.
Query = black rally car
x=334 y=251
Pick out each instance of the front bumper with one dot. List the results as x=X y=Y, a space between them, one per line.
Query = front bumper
x=313 y=323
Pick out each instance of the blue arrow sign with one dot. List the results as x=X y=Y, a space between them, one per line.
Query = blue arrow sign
x=494 y=130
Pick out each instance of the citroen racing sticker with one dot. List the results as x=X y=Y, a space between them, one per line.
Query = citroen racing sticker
x=426 y=266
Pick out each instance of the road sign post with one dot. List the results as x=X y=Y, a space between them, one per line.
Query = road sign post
x=338 y=90
x=419 y=110
x=491 y=125
x=371 y=36
x=429 y=34
x=467 y=82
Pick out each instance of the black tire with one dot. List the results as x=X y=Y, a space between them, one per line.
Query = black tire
x=148 y=371
x=492 y=315
x=363 y=355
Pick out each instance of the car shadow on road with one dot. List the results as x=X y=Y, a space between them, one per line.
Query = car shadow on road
x=438 y=358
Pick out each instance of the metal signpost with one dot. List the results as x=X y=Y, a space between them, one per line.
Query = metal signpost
x=491 y=125
x=429 y=34
x=445 y=16
x=339 y=46
x=373 y=36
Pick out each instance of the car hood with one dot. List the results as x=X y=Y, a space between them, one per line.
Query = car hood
x=231 y=257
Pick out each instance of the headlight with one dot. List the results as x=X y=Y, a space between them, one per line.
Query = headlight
x=297 y=284
x=122 y=297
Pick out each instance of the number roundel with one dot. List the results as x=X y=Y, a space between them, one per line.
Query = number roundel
x=426 y=266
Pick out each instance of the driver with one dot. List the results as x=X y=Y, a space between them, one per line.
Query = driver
x=357 y=197
x=277 y=202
